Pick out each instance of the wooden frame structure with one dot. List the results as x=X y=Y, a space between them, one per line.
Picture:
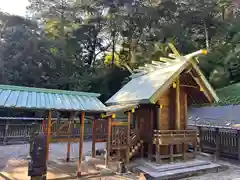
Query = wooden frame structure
x=49 y=100
x=162 y=92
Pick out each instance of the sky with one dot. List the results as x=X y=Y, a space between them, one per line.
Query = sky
x=16 y=7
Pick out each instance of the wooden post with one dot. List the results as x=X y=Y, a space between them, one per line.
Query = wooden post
x=49 y=123
x=150 y=140
x=184 y=151
x=108 y=141
x=5 y=133
x=93 y=138
x=158 y=159
x=158 y=117
x=81 y=143
x=171 y=153
x=217 y=134
x=238 y=143
x=68 y=144
x=200 y=138
x=178 y=110
x=128 y=137
x=185 y=111
x=142 y=151
x=184 y=148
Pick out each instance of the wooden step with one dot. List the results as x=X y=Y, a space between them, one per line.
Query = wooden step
x=135 y=148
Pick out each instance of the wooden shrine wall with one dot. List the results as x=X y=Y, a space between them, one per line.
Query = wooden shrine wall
x=143 y=123
x=167 y=115
x=163 y=119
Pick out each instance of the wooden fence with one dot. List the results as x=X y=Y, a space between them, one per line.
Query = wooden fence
x=221 y=141
x=15 y=133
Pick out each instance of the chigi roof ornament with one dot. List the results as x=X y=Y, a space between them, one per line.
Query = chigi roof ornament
x=165 y=62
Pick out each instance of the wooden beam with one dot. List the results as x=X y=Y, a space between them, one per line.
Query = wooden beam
x=201 y=86
x=66 y=139
x=100 y=140
x=93 y=138
x=81 y=143
x=114 y=123
x=108 y=145
x=189 y=86
x=48 y=133
x=128 y=137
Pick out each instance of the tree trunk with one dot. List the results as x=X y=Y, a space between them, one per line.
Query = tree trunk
x=206 y=35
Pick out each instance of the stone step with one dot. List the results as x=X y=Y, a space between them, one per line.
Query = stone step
x=184 y=172
x=144 y=165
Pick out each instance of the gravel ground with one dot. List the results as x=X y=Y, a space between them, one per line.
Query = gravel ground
x=57 y=150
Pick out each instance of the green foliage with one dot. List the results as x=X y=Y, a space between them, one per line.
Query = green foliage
x=72 y=44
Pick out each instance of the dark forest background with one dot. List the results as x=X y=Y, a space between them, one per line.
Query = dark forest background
x=92 y=45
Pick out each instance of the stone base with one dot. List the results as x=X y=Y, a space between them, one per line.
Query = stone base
x=176 y=170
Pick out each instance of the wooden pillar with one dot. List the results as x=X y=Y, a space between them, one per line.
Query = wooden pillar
x=185 y=111
x=128 y=137
x=217 y=134
x=184 y=151
x=171 y=153
x=158 y=117
x=200 y=139
x=68 y=144
x=150 y=141
x=49 y=123
x=81 y=143
x=195 y=148
x=178 y=117
x=109 y=136
x=185 y=145
x=158 y=159
x=93 y=138
x=5 y=134
x=178 y=111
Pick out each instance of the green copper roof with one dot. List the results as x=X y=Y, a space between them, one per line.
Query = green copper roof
x=44 y=99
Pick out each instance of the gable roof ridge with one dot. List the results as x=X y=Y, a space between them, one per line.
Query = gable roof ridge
x=149 y=81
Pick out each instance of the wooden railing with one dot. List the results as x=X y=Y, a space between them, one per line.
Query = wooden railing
x=119 y=135
x=135 y=137
x=173 y=139
x=101 y=130
x=221 y=141
x=166 y=137
x=15 y=133
x=12 y=133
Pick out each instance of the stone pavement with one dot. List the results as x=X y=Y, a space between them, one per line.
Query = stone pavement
x=233 y=173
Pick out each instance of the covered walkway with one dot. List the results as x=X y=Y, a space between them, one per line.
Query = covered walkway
x=76 y=104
